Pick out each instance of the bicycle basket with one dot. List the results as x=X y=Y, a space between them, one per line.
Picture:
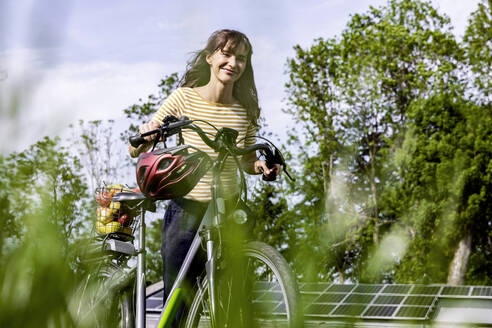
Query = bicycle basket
x=113 y=217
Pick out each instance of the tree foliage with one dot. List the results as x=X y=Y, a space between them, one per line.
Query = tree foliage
x=94 y=143
x=360 y=98
x=44 y=211
x=478 y=45
x=44 y=174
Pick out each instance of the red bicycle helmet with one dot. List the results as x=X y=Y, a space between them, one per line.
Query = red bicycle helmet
x=172 y=172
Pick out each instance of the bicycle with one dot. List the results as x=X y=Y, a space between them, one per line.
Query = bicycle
x=267 y=287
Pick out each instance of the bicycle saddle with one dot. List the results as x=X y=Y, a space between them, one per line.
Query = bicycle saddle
x=134 y=199
x=125 y=196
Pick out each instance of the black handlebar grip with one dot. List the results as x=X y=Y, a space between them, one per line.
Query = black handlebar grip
x=270 y=163
x=272 y=178
x=136 y=141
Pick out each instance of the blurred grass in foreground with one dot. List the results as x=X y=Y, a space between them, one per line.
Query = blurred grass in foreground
x=36 y=280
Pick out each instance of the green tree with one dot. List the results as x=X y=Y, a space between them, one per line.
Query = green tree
x=478 y=54
x=444 y=194
x=271 y=224
x=315 y=105
x=45 y=166
x=359 y=87
x=44 y=212
x=479 y=50
x=446 y=173
x=94 y=142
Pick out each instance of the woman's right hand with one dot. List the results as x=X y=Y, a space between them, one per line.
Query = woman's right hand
x=146 y=127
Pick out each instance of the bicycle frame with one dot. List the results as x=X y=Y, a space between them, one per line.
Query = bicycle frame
x=174 y=297
x=212 y=218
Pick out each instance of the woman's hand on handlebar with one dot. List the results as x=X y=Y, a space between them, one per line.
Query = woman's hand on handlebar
x=146 y=127
x=137 y=149
x=269 y=174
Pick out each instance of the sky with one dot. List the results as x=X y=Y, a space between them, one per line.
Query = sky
x=65 y=60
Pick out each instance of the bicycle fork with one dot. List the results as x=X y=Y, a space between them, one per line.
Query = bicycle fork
x=210 y=267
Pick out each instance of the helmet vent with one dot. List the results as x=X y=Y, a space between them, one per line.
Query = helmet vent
x=165 y=163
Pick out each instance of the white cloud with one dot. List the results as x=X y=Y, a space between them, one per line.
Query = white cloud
x=97 y=90
x=113 y=72
x=51 y=98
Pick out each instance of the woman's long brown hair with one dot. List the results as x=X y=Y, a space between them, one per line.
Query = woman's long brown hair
x=198 y=70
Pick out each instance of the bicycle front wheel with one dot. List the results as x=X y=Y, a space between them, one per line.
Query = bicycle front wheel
x=267 y=296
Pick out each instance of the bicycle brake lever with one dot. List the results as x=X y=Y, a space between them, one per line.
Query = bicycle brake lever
x=270 y=161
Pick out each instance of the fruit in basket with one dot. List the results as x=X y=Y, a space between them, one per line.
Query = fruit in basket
x=104 y=215
x=116 y=188
x=115 y=206
x=104 y=198
x=109 y=227
x=125 y=220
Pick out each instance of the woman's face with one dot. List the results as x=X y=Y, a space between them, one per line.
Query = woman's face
x=228 y=64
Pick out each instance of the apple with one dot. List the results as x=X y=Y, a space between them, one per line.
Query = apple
x=104 y=198
x=125 y=220
x=108 y=228
x=104 y=215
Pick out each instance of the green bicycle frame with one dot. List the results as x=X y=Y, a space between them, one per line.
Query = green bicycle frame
x=213 y=217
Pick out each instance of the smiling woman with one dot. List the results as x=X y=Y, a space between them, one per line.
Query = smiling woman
x=227 y=64
x=234 y=46
x=218 y=87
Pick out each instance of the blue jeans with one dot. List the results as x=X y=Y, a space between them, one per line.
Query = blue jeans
x=181 y=222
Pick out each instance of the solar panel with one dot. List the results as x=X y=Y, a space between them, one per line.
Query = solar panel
x=330 y=298
x=271 y=296
x=325 y=301
x=455 y=290
x=351 y=310
x=412 y=312
x=419 y=300
x=266 y=306
x=482 y=291
x=265 y=285
x=368 y=288
x=380 y=311
x=389 y=299
x=314 y=286
x=318 y=309
x=359 y=298
x=154 y=304
x=384 y=302
x=341 y=288
x=396 y=289
x=425 y=290
x=309 y=297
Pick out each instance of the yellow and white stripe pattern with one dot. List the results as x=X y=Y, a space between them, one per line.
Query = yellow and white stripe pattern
x=187 y=102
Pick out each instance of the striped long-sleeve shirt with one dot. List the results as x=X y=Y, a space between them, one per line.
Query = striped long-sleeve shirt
x=187 y=102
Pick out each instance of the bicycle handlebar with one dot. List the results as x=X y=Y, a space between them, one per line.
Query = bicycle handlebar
x=173 y=126
x=169 y=129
